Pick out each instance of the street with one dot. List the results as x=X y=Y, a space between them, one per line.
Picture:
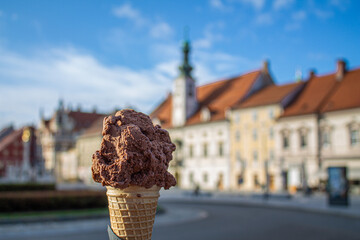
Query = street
x=229 y=222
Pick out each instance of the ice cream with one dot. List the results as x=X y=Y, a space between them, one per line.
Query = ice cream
x=133 y=152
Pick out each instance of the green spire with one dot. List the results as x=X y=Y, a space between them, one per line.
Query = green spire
x=186 y=68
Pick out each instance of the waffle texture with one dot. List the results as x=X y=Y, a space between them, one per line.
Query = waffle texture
x=132 y=211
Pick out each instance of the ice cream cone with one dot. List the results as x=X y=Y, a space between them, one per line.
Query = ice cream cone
x=132 y=211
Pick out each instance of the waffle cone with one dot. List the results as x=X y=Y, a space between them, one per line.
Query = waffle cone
x=132 y=211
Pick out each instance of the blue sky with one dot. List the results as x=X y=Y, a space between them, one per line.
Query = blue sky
x=125 y=53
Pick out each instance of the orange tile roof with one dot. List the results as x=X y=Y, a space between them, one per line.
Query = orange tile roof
x=269 y=95
x=163 y=112
x=217 y=96
x=347 y=95
x=314 y=94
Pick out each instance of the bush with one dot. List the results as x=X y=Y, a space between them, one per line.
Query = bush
x=51 y=200
x=16 y=187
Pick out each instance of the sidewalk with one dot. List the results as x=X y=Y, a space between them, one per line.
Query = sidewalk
x=314 y=203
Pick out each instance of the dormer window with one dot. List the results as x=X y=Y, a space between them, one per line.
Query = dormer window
x=205 y=114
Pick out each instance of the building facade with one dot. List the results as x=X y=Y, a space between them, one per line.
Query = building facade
x=197 y=119
x=319 y=129
x=58 y=136
x=252 y=128
x=20 y=159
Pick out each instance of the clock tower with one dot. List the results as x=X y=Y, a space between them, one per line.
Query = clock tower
x=184 y=102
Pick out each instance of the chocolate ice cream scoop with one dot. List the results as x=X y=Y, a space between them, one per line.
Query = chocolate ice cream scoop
x=133 y=152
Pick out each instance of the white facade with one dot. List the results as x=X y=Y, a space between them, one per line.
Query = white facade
x=205 y=155
x=343 y=147
x=184 y=99
x=298 y=158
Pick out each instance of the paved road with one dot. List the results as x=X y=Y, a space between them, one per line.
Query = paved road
x=235 y=222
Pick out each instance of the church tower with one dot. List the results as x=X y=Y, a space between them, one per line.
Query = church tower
x=184 y=102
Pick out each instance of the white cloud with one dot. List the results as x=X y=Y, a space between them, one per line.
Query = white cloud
x=161 y=30
x=1 y=13
x=156 y=30
x=264 y=19
x=128 y=12
x=29 y=83
x=280 y=4
x=257 y=4
x=219 y=5
x=211 y=35
x=210 y=66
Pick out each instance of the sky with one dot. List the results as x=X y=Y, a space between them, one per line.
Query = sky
x=114 y=54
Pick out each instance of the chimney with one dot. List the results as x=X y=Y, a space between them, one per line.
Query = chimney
x=341 y=69
x=265 y=68
x=312 y=73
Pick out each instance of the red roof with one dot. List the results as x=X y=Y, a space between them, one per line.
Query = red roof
x=315 y=92
x=95 y=128
x=10 y=138
x=347 y=95
x=217 y=97
x=84 y=119
x=269 y=95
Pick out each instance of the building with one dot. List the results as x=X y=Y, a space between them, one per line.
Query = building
x=197 y=120
x=58 y=136
x=86 y=145
x=252 y=124
x=340 y=127
x=315 y=131
x=20 y=160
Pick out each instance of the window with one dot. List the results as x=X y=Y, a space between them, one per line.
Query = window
x=303 y=140
x=237 y=135
x=221 y=149
x=205 y=149
x=255 y=155
x=325 y=138
x=254 y=115
x=255 y=159
x=354 y=137
x=271 y=113
x=190 y=93
x=205 y=177
x=285 y=141
x=237 y=117
x=272 y=157
x=238 y=156
x=256 y=180
x=191 y=150
x=271 y=133
x=254 y=134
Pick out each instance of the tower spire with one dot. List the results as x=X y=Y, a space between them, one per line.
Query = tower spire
x=186 y=68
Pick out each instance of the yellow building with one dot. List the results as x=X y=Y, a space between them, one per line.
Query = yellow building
x=252 y=136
